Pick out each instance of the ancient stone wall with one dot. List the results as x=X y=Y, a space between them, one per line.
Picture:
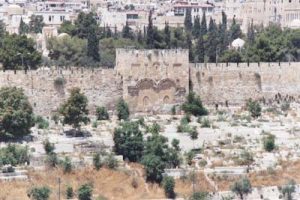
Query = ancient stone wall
x=46 y=91
x=153 y=79
x=235 y=83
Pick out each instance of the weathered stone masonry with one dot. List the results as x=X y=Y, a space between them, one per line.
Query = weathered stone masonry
x=154 y=80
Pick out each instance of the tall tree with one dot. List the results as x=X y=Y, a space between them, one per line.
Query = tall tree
x=188 y=24
x=196 y=27
x=140 y=37
x=150 y=32
x=2 y=28
x=167 y=37
x=200 y=50
x=23 y=27
x=212 y=41
x=67 y=27
x=223 y=34
x=251 y=33
x=84 y=24
x=74 y=110
x=93 y=45
x=235 y=30
x=36 y=24
x=189 y=45
x=203 y=24
x=127 y=32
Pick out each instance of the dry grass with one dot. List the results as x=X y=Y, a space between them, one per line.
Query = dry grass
x=290 y=170
x=110 y=184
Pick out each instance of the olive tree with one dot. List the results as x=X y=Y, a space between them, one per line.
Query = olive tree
x=16 y=113
x=241 y=187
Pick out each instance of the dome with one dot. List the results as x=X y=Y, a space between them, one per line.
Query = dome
x=62 y=35
x=14 y=10
x=237 y=43
x=295 y=23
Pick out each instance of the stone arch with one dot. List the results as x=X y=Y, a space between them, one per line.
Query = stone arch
x=146 y=102
x=166 y=84
x=166 y=99
x=145 y=84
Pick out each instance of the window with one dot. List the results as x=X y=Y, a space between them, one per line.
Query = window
x=62 y=18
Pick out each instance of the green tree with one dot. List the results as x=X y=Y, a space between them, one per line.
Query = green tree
x=17 y=51
x=2 y=28
x=36 y=24
x=197 y=27
x=97 y=161
x=85 y=25
x=200 y=50
x=203 y=26
x=67 y=27
x=102 y=113
x=189 y=44
x=235 y=30
x=188 y=24
x=269 y=142
x=223 y=34
x=68 y=51
x=39 y=193
x=93 y=45
x=69 y=192
x=85 y=192
x=67 y=165
x=23 y=27
x=48 y=147
x=251 y=33
x=16 y=114
x=193 y=105
x=169 y=185
x=212 y=41
x=241 y=187
x=127 y=32
x=14 y=155
x=254 y=108
x=122 y=110
x=150 y=33
x=231 y=55
x=167 y=37
x=75 y=109
x=128 y=140
x=288 y=190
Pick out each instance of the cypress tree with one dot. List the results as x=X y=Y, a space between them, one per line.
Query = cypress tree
x=235 y=30
x=167 y=33
x=140 y=38
x=251 y=33
x=108 y=32
x=196 y=27
x=223 y=34
x=200 y=50
x=115 y=33
x=188 y=20
x=23 y=27
x=150 y=32
x=189 y=45
x=203 y=26
x=93 y=45
x=126 y=32
x=212 y=41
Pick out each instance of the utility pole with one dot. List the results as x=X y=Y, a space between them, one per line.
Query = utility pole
x=59 y=181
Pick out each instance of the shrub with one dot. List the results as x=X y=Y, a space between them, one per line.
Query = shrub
x=288 y=190
x=205 y=123
x=199 y=196
x=59 y=81
x=193 y=105
x=69 y=192
x=173 y=110
x=154 y=128
x=285 y=106
x=189 y=157
x=102 y=113
x=269 y=142
x=39 y=193
x=14 y=155
x=55 y=118
x=184 y=125
x=241 y=187
x=97 y=161
x=41 y=122
x=169 y=185
x=111 y=162
x=95 y=124
x=67 y=165
x=122 y=110
x=85 y=192
x=52 y=160
x=254 y=108
x=48 y=147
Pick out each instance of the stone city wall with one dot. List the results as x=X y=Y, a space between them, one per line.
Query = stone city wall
x=46 y=93
x=235 y=83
